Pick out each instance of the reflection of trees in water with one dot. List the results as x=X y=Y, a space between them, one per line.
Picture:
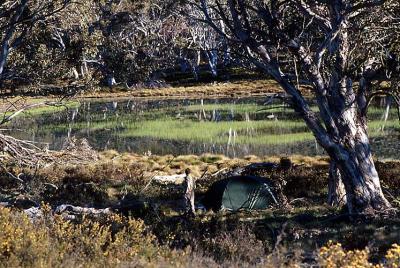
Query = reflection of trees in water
x=91 y=113
x=159 y=146
x=383 y=147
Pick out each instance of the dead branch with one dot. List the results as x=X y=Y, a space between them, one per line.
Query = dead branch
x=25 y=153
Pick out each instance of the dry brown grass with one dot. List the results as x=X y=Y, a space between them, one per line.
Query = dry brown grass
x=226 y=89
x=242 y=88
x=115 y=174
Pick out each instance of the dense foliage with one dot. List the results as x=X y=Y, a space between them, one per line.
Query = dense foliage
x=107 y=42
x=127 y=42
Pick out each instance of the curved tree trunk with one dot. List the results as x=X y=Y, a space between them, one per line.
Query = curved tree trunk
x=355 y=164
x=340 y=127
x=343 y=136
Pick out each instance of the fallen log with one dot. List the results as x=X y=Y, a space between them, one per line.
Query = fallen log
x=71 y=213
x=176 y=179
x=69 y=209
x=171 y=179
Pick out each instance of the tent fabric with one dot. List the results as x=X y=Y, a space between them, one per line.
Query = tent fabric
x=240 y=192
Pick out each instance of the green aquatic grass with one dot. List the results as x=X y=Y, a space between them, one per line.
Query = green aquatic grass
x=272 y=139
x=53 y=109
x=375 y=124
x=375 y=113
x=242 y=108
x=162 y=124
x=45 y=109
x=238 y=108
x=217 y=132
x=93 y=125
x=267 y=132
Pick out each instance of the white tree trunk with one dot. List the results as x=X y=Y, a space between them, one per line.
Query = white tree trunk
x=385 y=116
x=356 y=166
x=336 y=190
x=8 y=35
x=75 y=73
x=195 y=65
x=212 y=57
x=190 y=186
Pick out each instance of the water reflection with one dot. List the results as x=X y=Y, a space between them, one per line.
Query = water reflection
x=233 y=127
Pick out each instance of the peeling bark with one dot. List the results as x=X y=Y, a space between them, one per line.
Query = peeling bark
x=361 y=180
x=336 y=190
x=190 y=186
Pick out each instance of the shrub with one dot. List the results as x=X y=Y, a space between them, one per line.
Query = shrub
x=52 y=241
x=334 y=256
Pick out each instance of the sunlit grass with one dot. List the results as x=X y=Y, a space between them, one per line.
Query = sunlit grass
x=238 y=108
x=215 y=132
x=375 y=113
x=253 y=132
x=267 y=132
x=45 y=109
x=374 y=124
x=182 y=123
x=271 y=139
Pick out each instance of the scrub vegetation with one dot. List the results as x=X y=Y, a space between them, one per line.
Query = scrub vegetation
x=119 y=241
x=158 y=235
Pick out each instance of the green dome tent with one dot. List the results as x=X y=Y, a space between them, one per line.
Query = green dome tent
x=240 y=192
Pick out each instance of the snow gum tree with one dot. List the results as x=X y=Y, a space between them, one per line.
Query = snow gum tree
x=333 y=48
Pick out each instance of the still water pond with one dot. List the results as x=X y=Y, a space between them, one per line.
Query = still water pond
x=231 y=126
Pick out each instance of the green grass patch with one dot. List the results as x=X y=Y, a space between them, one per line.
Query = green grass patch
x=217 y=132
x=45 y=109
x=237 y=108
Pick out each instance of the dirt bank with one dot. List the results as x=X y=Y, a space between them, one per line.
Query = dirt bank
x=242 y=88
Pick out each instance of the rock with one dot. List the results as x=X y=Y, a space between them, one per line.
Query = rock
x=5 y=204
x=34 y=213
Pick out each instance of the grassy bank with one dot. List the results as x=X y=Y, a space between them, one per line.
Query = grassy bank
x=239 y=88
x=9 y=107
